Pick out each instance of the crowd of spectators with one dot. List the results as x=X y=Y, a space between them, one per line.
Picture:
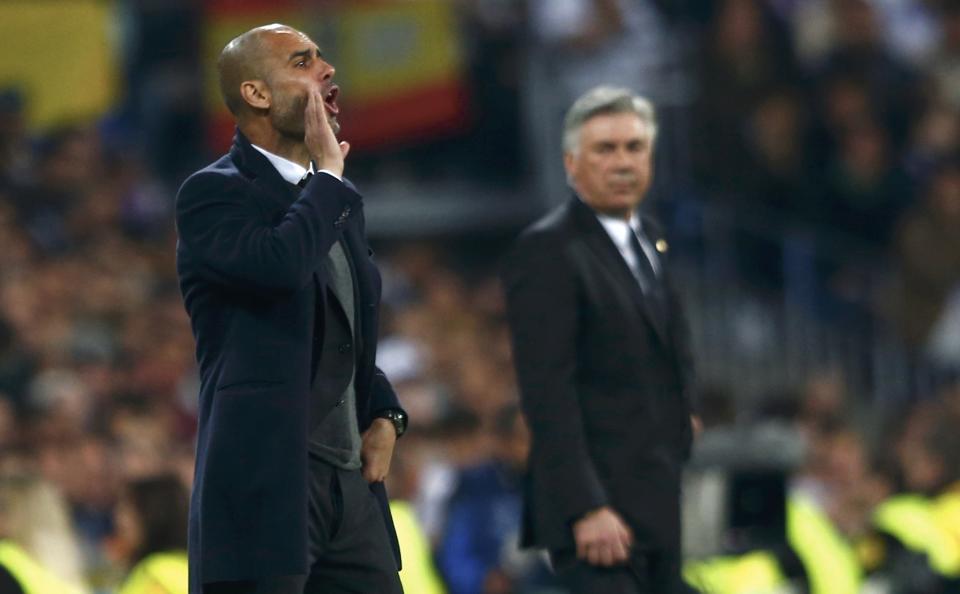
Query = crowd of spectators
x=840 y=117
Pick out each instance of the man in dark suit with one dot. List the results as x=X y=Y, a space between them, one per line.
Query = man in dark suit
x=297 y=425
x=603 y=363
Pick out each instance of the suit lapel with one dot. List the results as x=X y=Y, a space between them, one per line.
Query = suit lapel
x=256 y=167
x=598 y=240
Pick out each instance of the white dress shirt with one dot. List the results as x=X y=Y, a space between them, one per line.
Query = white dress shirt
x=288 y=170
x=619 y=232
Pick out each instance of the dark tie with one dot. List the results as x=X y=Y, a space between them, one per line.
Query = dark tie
x=649 y=282
x=303 y=180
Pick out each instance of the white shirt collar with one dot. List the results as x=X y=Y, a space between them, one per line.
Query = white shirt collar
x=288 y=170
x=618 y=229
x=619 y=232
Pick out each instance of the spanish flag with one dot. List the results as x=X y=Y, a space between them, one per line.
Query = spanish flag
x=399 y=64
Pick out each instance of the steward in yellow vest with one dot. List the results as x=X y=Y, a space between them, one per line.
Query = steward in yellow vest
x=829 y=562
x=30 y=576
x=151 y=521
x=916 y=546
x=159 y=573
x=418 y=574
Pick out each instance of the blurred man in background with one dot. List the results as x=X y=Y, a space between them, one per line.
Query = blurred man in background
x=603 y=362
x=478 y=553
x=296 y=424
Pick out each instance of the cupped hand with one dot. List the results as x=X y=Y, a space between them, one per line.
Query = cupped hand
x=326 y=151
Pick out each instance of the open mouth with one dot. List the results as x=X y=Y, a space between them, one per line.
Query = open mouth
x=330 y=100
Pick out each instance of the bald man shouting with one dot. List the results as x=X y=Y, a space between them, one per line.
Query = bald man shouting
x=297 y=425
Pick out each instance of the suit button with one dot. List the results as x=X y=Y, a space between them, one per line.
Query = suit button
x=345 y=347
x=340 y=402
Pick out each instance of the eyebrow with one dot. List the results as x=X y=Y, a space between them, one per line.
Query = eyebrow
x=305 y=54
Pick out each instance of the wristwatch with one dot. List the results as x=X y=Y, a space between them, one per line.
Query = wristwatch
x=396 y=416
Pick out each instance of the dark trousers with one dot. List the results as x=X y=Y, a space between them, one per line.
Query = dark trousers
x=350 y=549
x=647 y=572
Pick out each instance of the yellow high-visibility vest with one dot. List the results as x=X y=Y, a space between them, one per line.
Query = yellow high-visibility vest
x=829 y=559
x=923 y=526
x=418 y=574
x=159 y=573
x=753 y=573
x=32 y=577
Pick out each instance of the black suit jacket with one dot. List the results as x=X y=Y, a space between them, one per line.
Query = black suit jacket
x=604 y=386
x=250 y=259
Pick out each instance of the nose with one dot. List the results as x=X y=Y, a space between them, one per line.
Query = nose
x=326 y=70
x=622 y=158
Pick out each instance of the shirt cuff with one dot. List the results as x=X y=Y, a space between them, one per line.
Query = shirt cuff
x=330 y=173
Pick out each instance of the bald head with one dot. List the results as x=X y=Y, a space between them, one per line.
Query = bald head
x=245 y=58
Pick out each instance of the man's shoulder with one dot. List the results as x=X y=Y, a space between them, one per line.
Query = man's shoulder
x=222 y=167
x=222 y=173
x=556 y=226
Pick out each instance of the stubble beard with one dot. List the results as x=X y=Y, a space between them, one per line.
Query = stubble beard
x=289 y=119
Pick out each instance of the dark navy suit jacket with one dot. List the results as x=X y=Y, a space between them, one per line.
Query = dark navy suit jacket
x=250 y=259
x=605 y=384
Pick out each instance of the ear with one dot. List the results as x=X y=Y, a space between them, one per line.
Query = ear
x=569 y=163
x=255 y=93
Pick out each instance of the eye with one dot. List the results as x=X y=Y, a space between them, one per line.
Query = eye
x=301 y=64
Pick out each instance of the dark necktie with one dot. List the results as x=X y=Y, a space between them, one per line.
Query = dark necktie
x=652 y=287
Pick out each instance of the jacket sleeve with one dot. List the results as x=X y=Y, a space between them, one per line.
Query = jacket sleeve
x=382 y=394
x=681 y=340
x=542 y=310
x=224 y=233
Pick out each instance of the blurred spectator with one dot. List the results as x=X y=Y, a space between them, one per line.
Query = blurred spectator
x=746 y=55
x=419 y=573
x=37 y=545
x=861 y=53
x=496 y=35
x=934 y=139
x=15 y=155
x=916 y=532
x=927 y=253
x=479 y=552
x=163 y=73
x=865 y=190
x=16 y=366
x=151 y=524
x=909 y=27
x=944 y=67
x=68 y=166
x=456 y=443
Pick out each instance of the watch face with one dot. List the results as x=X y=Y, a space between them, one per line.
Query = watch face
x=398 y=421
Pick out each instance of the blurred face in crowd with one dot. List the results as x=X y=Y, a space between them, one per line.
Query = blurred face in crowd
x=291 y=65
x=612 y=167
x=946 y=195
x=515 y=447
x=127 y=525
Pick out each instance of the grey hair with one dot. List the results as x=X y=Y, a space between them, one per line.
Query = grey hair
x=605 y=100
